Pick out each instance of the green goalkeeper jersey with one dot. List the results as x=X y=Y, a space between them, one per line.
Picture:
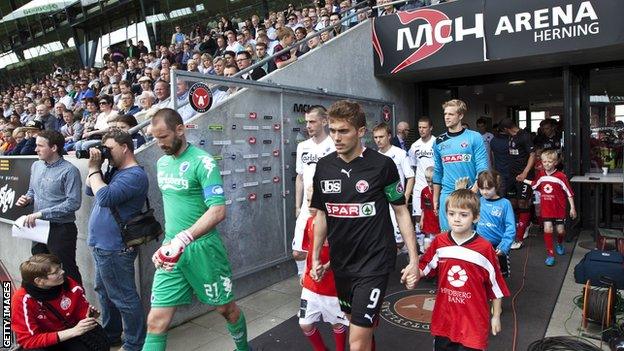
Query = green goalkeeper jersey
x=190 y=184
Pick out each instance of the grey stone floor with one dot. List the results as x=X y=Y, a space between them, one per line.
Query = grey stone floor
x=263 y=310
x=273 y=305
x=566 y=318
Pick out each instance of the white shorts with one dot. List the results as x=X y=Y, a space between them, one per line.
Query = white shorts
x=315 y=307
x=395 y=225
x=416 y=210
x=300 y=228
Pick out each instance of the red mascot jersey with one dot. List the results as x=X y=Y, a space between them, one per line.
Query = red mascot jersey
x=554 y=192
x=326 y=286
x=468 y=278
x=431 y=223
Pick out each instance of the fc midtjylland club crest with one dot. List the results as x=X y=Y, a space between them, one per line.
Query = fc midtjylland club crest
x=200 y=97
x=409 y=309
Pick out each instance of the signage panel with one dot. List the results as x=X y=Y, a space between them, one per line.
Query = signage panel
x=466 y=32
x=14 y=179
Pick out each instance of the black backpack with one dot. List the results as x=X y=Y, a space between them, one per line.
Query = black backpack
x=598 y=264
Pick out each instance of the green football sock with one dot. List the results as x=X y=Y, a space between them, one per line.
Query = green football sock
x=155 y=342
x=238 y=331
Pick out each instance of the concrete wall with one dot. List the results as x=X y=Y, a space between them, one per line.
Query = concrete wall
x=345 y=65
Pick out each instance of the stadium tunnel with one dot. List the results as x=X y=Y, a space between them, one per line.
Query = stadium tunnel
x=528 y=60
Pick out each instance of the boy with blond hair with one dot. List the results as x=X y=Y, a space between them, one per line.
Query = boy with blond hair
x=554 y=190
x=470 y=277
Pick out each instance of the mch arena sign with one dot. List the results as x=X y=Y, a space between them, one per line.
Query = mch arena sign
x=466 y=32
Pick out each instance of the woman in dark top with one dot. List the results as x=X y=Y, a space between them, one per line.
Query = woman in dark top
x=125 y=122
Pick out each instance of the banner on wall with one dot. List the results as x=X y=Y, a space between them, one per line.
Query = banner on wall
x=465 y=32
x=14 y=179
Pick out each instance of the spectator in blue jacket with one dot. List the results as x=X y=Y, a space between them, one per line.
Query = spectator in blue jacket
x=83 y=93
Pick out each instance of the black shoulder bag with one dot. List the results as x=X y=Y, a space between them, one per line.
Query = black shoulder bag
x=139 y=229
x=95 y=339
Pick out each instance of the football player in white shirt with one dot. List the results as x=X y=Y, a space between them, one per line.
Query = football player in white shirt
x=382 y=135
x=308 y=153
x=421 y=157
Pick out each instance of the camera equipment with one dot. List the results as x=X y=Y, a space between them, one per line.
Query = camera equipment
x=103 y=149
x=140 y=229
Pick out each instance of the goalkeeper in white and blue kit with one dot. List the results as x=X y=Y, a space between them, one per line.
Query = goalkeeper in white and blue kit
x=458 y=153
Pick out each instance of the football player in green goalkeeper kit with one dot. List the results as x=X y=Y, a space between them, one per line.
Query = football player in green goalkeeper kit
x=192 y=259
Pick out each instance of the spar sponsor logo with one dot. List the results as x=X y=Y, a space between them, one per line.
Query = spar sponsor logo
x=457 y=158
x=350 y=210
x=435 y=29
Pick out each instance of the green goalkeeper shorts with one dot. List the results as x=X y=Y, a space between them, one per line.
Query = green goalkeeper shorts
x=203 y=269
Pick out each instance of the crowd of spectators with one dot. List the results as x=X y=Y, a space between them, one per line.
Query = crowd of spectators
x=84 y=104
x=135 y=82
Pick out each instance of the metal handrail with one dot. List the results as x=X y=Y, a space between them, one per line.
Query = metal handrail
x=297 y=43
x=318 y=33
x=292 y=46
x=393 y=3
x=269 y=86
x=233 y=79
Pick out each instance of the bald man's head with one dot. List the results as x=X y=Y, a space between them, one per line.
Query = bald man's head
x=402 y=129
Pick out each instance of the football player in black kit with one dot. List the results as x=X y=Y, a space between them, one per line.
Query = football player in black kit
x=352 y=189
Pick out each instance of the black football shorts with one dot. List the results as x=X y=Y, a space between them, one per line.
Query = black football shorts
x=362 y=297
x=518 y=190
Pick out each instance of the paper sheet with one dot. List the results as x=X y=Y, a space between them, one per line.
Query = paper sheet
x=38 y=233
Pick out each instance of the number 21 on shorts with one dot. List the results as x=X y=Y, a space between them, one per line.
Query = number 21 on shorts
x=374 y=298
x=212 y=290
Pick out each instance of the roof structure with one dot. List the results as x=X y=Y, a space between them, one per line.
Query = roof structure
x=61 y=22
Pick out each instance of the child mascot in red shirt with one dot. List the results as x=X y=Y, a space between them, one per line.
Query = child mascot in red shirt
x=469 y=277
x=319 y=300
x=44 y=286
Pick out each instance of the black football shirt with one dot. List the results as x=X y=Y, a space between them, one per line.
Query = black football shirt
x=548 y=143
x=355 y=198
x=520 y=148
